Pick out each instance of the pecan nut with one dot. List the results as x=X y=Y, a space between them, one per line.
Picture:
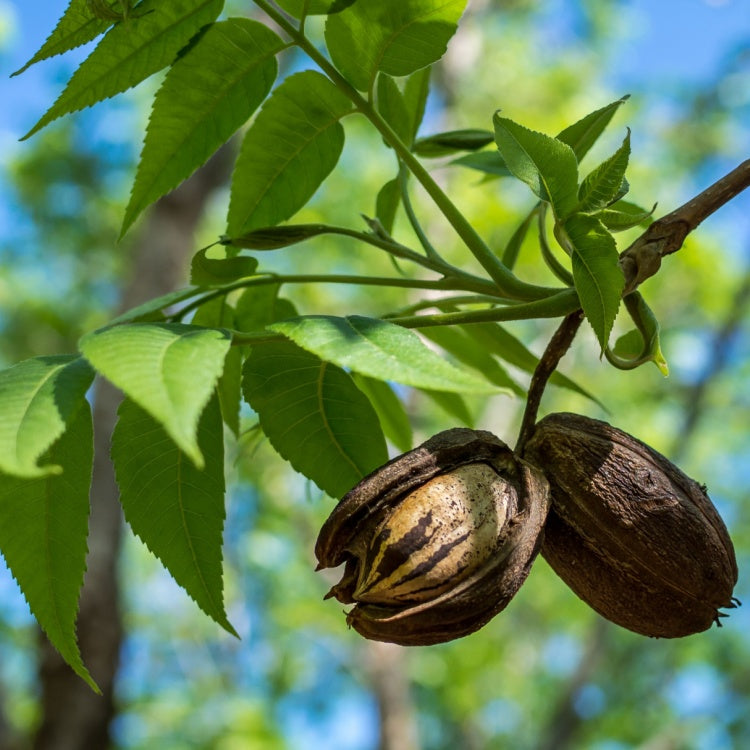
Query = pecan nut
x=630 y=533
x=437 y=541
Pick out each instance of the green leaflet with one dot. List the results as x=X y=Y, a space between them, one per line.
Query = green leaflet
x=218 y=313
x=387 y=203
x=390 y=410
x=623 y=215
x=43 y=529
x=208 y=93
x=314 y=7
x=392 y=107
x=489 y=162
x=602 y=186
x=176 y=509
x=582 y=135
x=493 y=338
x=513 y=247
x=258 y=306
x=77 y=26
x=131 y=52
x=444 y=144
x=314 y=416
x=288 y=151
x=205 y=271
x=416 y=90
x=461 y=346
x=169 y=369
x=396 y=37
x=38 y=398
x=596 y=271
x=547 y=165
x=381 y=350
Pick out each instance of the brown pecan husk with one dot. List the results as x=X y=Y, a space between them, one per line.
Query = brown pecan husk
x=630 y=533
x=438 y=540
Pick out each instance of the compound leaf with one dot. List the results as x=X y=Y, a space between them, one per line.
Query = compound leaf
x=208 y=93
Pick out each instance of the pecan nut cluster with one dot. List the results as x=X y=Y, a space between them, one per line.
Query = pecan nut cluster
x=437 y=542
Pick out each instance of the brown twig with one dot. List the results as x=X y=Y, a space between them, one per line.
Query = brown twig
x=558 y=345
x=666 y=235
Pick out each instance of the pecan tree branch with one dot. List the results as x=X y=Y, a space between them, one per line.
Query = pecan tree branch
x=666 y=235
x=558 y=345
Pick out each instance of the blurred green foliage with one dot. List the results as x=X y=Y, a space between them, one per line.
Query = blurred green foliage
x=547 y=672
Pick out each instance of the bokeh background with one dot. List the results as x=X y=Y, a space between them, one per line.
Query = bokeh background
x=548 y=673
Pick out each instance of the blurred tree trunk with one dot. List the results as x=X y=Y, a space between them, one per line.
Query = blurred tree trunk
x=390 y=685
x=73 y=716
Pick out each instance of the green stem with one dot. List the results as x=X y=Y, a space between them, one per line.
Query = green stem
x=555 y=306
x=403 y=178
x=552 y=307
x=446 y=283
x=507 y=283
x=450 y=302
x=552 y=262
x=437 y=264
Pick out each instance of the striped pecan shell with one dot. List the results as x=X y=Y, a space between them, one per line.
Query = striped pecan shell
x=437 y=541
x=633 y=536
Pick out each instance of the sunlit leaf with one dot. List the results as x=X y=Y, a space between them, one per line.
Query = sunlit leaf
x=396 y=37
x=598 y=278
x=602 y=186
x=390 y=410
x=582 y=135
x=548 y=166
x=77 y=26
x=38 y=397
x=131 y=52
x=43 y=530
x=381 y=350
x=169 y=369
